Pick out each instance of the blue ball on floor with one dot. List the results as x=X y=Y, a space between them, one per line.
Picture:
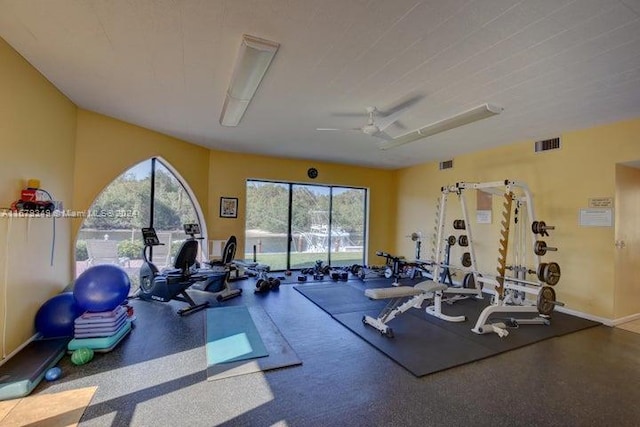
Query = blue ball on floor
x=56 y=316
x=102 y=288
x=53 y=374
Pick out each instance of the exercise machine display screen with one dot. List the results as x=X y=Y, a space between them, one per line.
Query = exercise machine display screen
x=191 y=229
x=150 y=237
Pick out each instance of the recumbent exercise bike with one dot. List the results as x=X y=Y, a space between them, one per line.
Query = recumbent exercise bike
x=172 y=284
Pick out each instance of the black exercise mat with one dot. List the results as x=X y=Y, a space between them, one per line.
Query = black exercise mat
x=560 y=324
x=424 y=344
x=420 y=347
x=339 y=297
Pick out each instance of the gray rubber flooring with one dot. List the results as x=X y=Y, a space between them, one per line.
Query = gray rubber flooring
x=157 y=377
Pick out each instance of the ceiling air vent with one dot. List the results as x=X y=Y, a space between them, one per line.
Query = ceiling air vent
x=547 y=144
x=448 y=164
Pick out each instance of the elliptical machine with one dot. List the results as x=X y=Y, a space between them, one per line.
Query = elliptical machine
x=170 y=284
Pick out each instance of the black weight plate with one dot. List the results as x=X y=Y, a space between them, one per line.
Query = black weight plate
x=546 y=299
x=469 y=281
x=552 y=273
x=466 y=259
x=540 y=271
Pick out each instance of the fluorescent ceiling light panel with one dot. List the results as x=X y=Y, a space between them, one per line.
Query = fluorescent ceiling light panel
x=252 y=63
x=478 y=113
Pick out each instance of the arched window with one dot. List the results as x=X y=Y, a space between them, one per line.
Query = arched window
x=150 y=194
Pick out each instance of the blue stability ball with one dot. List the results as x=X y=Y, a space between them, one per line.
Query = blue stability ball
x=55 y=317
x=101 y=288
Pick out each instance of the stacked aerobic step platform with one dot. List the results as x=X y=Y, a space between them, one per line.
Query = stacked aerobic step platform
x=100 y=331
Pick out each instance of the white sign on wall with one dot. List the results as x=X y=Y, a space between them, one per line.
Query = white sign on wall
x=483 y=217
x=593 y=217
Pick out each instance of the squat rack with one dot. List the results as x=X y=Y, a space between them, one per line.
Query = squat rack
x=509 y=293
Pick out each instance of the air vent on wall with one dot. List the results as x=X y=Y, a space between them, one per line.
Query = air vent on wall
x=547 y=144
x=448 y=164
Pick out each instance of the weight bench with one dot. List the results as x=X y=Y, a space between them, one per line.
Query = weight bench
x=397 y=294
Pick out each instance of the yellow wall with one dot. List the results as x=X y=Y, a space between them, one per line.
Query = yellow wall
x=37 y=137
x=107 y=147
x=561 y=182
x=229 y=172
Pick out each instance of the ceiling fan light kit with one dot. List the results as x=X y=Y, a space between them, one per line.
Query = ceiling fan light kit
x=251 y=65
x=473 y=115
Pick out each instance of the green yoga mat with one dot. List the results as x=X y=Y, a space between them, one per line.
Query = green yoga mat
x=232 y=336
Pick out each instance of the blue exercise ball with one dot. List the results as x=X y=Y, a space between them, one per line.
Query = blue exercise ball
x=55 y=317
x=102 y=288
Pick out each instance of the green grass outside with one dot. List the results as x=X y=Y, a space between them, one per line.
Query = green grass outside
x=277 y=261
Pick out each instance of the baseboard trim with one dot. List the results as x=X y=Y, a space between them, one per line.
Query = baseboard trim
x=625 y=319
x=603 y=320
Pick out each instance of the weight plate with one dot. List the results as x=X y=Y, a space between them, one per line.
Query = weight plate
x=469 y=281
x=466 y=259
x=552 y=273
x=388 y=273
x=451 y=240
x=546 y=300
x=540 y=271
x=534 y=227
x=540 y=248
x=463 y=240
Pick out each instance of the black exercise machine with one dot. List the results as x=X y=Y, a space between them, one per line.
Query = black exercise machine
x=218 y=273
x=173 y=283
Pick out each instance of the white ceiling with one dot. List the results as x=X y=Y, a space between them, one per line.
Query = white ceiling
x=553 y=65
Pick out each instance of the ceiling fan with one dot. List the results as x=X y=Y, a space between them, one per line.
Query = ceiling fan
x=375 y=126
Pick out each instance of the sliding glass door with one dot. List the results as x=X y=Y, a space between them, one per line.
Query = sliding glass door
x=348 y=207
x=309 y=225
x=292 y=226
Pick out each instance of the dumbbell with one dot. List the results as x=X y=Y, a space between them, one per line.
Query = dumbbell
x=274 y=283
x=541 y=248
x=262 y=285
x=539 y=227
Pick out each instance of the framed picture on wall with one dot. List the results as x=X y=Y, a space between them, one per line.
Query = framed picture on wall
x=228 y=207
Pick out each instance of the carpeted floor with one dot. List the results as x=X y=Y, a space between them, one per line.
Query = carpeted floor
x=157 y=376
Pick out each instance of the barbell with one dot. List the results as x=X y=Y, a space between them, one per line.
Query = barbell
x=548 y=273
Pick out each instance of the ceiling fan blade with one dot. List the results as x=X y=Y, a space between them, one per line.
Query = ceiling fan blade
x=385 y=122
x=383 y=135
x=392 y=115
